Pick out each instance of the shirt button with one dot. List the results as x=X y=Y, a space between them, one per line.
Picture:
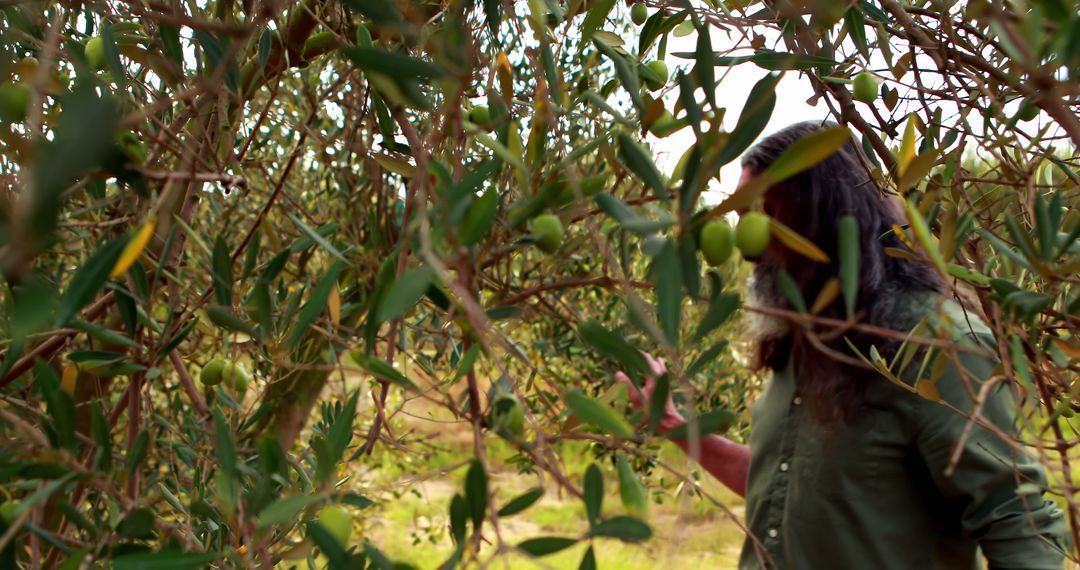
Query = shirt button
x=773 y=533
x=784 y=466
x=797 y=400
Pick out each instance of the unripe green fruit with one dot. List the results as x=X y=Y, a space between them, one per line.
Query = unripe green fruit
x=752 y=234
x=639 y=13
x=547 y=231
x=1027 y=111
x=8 y=511
x=666 y=125
x=235 y=377
x=95 y=53
x=132 y=147
x=717 y=242
x=507 y=415
x=338 y=522
x=866 y=87
x=14 y=101
x=481 y=117
x=211 y=373
x=661 y=70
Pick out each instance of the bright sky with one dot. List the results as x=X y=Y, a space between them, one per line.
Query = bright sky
x=791 y=107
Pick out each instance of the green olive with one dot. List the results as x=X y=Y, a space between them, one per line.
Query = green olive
x=1027 y=111
x=753 y=233
x=717 y=242
x=95 y=53
x=211 y=373
x=666 y=125
x=866 y=87
x=660 y=69
x=132 y=147
x=639 y=13
x=481 y=117
x=14 y=101
x=9 y=511
x=548 y=232
x=507 y=414
x=338 y=522
x=235 y=377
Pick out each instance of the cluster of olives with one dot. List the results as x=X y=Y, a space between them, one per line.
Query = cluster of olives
x=220 y=371
x=751 y=236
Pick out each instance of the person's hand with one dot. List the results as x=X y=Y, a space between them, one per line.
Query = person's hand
x=641 y=398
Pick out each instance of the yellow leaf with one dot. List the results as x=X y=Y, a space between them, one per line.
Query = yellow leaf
x=333 y=304
x=797 y=243
x=71 y=373
x=516 y=147
x=924 y=237
x=499 y=149
x=270 y=235
x=505 y=74
x=828 y=294
x=803 y=154
x=613 y=40
x=807 y=152
x=1070 y=350
x=903 y=237
x=928 y=389
x=134 y=248
x=917 y=169
x=395 y=165
x=907 y=146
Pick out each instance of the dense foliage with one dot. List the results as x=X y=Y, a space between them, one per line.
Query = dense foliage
x=239 y=240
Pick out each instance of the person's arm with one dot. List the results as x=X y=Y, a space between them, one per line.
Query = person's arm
x=724 y=459
x=1016 y=527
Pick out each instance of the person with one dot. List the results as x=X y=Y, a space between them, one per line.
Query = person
x=846 y=469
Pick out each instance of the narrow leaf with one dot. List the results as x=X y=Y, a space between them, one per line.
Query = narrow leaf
x=521 y=502
x=598 y=13
x=546 y=545
x=476 y=493
x=88 y=280
x=593 y=491
x=316 y=304
x=624 y=528
x=382 y=370
x=134 y=248
x=713 y=421
x=405 y=292
x=669 y=291
x=598 y=414
x=848 y=237
x=638 y=161
x=614 y=347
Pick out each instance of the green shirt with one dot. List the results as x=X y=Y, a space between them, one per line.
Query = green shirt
x=874 y=494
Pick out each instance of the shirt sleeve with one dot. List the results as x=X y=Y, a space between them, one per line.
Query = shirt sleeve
x=1015 y=526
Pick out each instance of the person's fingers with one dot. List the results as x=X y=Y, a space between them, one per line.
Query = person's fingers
x=657 y=367
x=649 y=360
x=650 y=386
x=635 y=395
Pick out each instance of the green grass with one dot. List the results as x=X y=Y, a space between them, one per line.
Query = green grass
x=413 y=527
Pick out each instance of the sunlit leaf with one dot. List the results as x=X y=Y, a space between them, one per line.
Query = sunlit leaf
x=598 y=414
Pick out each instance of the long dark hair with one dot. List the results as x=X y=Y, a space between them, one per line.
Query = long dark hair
x=812 y=203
